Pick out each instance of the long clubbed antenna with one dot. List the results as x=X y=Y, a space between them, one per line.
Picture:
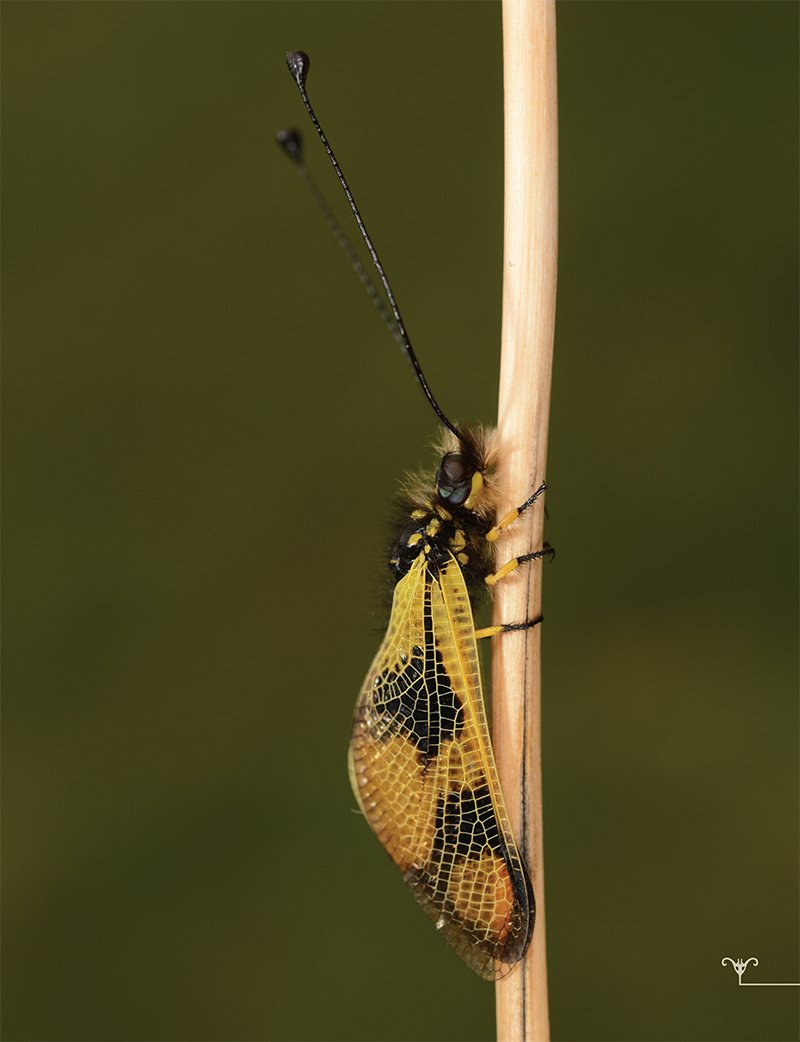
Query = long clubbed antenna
x=291 y=142
x=299 y=63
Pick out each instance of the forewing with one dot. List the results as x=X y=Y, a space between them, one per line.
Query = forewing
x=423 y=771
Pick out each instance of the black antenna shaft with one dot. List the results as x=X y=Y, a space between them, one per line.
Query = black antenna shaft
x=292 y=144
x=299 y=63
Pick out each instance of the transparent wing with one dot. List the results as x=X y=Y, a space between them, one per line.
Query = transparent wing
x=423 y=771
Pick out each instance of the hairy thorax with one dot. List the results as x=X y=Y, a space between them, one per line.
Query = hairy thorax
x=439 y=533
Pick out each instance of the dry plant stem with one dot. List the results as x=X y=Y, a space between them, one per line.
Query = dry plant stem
x=529 y=291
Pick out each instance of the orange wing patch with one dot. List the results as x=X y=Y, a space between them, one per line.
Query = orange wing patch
x=422 y=769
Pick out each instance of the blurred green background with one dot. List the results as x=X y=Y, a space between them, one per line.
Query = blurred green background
x=205 y=423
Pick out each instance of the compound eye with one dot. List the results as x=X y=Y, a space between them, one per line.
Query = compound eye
x=454 y=480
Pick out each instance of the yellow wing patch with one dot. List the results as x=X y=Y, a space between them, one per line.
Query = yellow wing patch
x=422 y=769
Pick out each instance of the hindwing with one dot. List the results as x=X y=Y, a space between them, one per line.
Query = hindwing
x=423 y=771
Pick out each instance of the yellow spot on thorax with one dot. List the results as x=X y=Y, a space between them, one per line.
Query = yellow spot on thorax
x=458 y=542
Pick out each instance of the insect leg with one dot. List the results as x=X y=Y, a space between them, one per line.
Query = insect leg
x=515 y=562
x=494 y=533
x=507 y=627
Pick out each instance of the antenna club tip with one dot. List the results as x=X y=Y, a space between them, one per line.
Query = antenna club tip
x=298 y=63
x=291 y=142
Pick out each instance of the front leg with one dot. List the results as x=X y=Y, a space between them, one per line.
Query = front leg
x=494 y=533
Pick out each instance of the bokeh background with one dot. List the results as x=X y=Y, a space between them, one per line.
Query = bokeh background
x=205 y=422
